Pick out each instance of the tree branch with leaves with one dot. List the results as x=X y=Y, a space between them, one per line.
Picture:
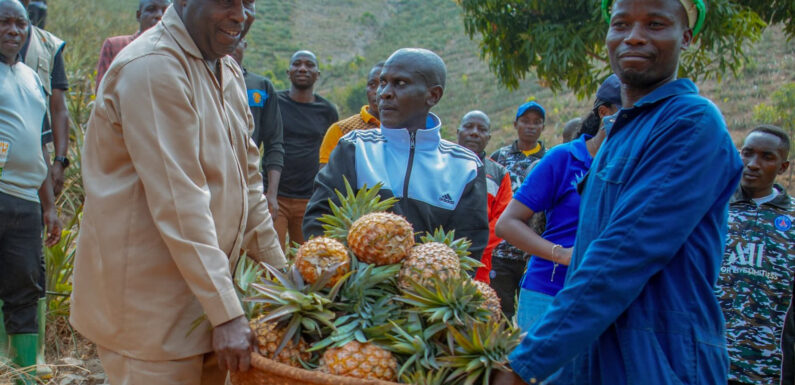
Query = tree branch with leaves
x=562 y=42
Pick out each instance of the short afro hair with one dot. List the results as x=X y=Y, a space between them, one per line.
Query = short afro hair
x=777 y=132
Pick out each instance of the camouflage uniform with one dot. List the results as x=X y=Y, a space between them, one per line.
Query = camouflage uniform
x=516 y=162
x=518 y=166
x=508 y=262
x=754 y=287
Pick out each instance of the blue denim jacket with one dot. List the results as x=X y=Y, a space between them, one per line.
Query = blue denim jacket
x=638 y=304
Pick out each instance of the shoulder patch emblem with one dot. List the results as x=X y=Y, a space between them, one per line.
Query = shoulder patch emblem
x=257 y=98
x=783 y=223
x=446 y=199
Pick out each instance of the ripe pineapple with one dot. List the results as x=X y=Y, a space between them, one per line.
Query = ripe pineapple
x=381 y=238
x=491 y=301
x=360 y=360
x=270 y=336
x=352 y=207
x=427 y=261
x=319 y=255
x=460 y=246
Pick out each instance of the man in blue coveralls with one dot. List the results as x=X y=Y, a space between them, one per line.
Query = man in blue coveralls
x=637 y=306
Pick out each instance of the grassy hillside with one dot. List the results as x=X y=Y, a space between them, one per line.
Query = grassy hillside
x=350 y=35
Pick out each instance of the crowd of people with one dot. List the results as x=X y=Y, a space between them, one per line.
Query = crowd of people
x=643 y=249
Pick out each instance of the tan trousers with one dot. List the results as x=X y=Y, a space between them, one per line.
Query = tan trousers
x=290 y=218
x=196 y=370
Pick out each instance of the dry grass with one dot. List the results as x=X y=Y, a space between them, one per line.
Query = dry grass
x=72 y=358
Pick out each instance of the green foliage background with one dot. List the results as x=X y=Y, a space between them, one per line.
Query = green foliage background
x=349 y=36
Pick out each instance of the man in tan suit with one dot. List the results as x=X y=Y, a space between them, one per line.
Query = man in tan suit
x=173 y=194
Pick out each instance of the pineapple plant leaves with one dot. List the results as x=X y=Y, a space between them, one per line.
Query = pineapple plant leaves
x=366 y=299
x=479 y=348
x=453 y=301
x=286 y=298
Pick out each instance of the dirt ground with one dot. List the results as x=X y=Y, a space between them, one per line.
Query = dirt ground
x=72 y=358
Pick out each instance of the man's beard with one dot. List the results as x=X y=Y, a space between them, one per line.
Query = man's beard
x=637 y=79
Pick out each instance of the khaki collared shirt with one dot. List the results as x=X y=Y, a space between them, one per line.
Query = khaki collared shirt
x=173 y=193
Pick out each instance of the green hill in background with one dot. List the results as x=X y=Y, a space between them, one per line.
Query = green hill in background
x=349 y=36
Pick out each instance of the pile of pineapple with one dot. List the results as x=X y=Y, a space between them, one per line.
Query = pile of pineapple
x=365 y=301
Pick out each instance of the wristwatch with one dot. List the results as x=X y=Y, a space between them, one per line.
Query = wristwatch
x=64 y=160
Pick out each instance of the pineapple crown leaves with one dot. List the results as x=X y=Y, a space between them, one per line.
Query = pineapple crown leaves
x=460 y=246
x=291 y=251
x=443 y=302
x=368 y=283
x=247 y=273
x=352 y=207
x=370 y=323
x=479 y=349
x=426 y=377
x=415 y=344
x=285 y=298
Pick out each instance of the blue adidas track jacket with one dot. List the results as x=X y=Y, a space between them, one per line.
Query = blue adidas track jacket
x=437 y=183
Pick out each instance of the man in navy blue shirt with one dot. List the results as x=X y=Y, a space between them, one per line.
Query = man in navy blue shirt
x=637 y=306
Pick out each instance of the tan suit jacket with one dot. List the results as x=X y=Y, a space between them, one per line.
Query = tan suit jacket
x=173 y=192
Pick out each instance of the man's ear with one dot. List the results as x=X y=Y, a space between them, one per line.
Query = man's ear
x=603 y=111
x=687 y=38
x=783 y=168
x=434 y=95
x=138 y=15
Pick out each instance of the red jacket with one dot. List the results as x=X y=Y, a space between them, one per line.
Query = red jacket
x=498 y=185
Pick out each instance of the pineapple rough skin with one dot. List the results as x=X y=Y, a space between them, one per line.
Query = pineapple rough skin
x=360 y=360
x=491 y=301
x=318 y=255
x=381 y=238
x=269 y=336
x=429 y=260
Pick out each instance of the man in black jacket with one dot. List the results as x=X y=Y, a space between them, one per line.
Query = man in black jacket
x=268 y=131
x=437 y=183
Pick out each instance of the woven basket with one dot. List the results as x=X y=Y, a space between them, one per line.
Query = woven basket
x=269 y=372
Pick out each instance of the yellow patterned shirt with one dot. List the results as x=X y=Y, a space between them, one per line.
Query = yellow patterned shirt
x=364 y=120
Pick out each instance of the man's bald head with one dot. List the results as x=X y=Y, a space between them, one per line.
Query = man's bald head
x=150 y=12
x=570 y=129
x=428 y=65
x=412 y=82
x=16 y=3
x=303 y=70
x=304 y=54
x=474 y=131
x=476 y=115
